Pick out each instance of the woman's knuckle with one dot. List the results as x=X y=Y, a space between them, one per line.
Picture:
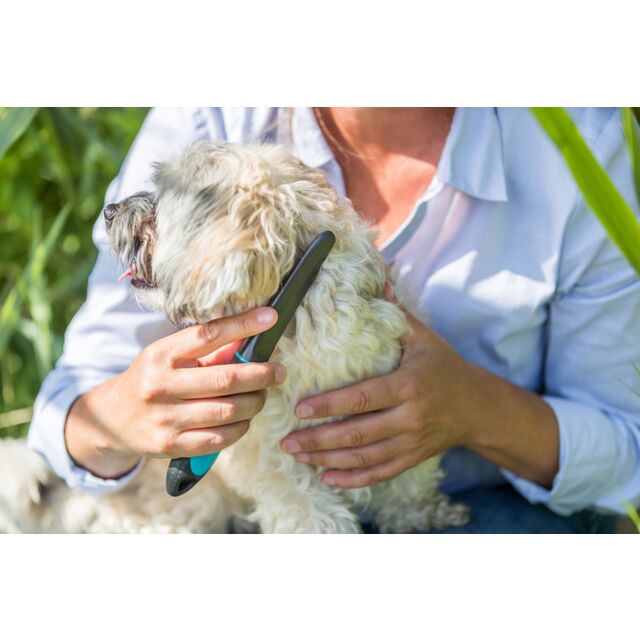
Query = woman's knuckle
x=161 y=418
x=226 y=412
x=154 y=354
x=415 y=423
x=409 y=388
x=164 y=443
x=211 y=331
x=216 y=442
x=359 y=459
x=150 y=389
x=361 y=400
x=355 y=438
x=224 y=380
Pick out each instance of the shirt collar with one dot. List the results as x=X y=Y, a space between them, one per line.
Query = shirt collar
x=472 y=156
x=471 y=159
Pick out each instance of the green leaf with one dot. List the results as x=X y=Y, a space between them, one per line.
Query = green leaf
x=13 y=123
x=630 y=127
x=597 y=188
x=10 y=315
x=633 y=514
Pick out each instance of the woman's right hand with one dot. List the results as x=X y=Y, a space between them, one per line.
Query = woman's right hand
x=177 y=399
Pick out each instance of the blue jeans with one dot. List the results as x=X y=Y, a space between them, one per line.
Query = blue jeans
x=503 y=510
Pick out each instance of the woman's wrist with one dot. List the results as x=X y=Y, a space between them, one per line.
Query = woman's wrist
x=87 y=437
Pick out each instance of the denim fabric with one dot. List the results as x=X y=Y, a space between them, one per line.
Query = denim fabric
x=504 y=510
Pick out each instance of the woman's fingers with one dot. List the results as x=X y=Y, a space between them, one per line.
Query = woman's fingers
x=354 y=432
x=224 y=380
x=200 y=340
x=200 y=442
x=197 y=414
x=370 y=395
x=357 y=478
x=356 y=457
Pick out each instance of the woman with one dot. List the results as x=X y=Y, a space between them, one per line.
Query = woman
x=525 y=375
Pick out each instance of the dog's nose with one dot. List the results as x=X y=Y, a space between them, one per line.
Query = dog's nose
x=109 y=212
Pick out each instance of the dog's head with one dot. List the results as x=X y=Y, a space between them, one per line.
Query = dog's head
x=131 y=225
x=224 y=226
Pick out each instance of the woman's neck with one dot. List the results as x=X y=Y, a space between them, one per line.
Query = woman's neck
x=375 y=134
x=388 y=157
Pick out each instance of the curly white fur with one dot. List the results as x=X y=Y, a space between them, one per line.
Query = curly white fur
x=230 y=221
x=34 y=500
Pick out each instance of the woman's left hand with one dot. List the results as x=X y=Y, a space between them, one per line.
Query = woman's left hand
x=398 y=420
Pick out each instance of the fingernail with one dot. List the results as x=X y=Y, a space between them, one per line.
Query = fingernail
x=330 y=481
x=266 y=316
x=304 y=411
x=291 y=446
x=281 y=374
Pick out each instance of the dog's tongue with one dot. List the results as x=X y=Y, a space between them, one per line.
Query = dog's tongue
x=127 y=274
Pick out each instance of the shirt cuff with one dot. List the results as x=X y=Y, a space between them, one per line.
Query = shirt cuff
x=588 y=452
x=46 y=436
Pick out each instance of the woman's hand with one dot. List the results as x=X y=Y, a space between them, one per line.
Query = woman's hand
x=435 y=400
x=175 y=399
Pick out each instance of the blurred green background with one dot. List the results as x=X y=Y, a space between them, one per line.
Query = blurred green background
x=55 y=166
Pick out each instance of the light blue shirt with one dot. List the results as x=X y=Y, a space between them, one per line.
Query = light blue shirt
x=501 y=251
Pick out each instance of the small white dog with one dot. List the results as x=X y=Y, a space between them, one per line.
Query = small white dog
x=222 y=230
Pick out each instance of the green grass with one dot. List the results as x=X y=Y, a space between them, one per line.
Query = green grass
x=55 y=165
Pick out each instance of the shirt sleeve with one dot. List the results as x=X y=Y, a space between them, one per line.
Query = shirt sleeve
x=110 y=328
x=592 y=377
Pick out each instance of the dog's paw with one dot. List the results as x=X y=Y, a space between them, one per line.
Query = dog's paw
x=451 y=514
x=438 y=513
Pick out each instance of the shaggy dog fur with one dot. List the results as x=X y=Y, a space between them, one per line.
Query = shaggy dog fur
x=224 y=226
x=34 y=500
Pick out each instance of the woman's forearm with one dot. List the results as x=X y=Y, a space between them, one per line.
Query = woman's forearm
x=513 y=428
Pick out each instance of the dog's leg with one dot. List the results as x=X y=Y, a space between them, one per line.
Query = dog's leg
x=316 y=509
x=286 y=496
x=413 y=502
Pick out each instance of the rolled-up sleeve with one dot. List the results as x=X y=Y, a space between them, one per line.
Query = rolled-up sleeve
x=592 y=379
x=110 y=328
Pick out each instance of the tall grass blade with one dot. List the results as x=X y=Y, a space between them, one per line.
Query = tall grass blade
x=44 y=249
x=630 y=127
x=599 y=191
x=10 y=315
x=13 y=123
x=634 y=516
